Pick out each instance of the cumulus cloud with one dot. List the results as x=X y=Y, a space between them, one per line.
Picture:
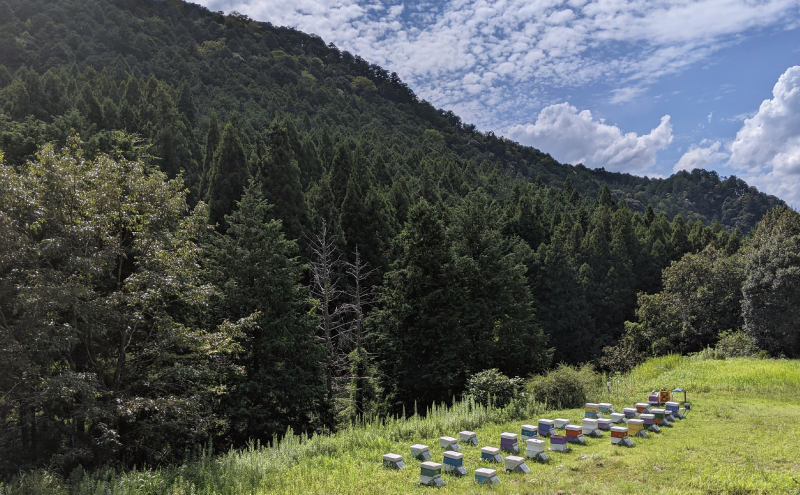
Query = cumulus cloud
x=767 y=147
x=575 y=137
x=521 y=49
x=701 y=157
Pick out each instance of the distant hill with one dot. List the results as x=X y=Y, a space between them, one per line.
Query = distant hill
x=229 y=63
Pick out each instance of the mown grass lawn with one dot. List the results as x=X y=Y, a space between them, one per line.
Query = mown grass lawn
x=742 y=436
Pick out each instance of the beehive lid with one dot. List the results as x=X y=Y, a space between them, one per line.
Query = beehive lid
x=416 y=448
x=485 y=472
x=508 y=436
x=447 y=439
x=619 y=415
x=453 y=455
x=647 y=416
x=546 y=421
x=490 y=450
x=433 y=466
x=392 y=457
x=635 y=421
x=642 y=404
x=591 y=405
x=657 y=411
x=467 y=434
x=528 y=427
x=512 y=459
x=619 y=429
x=534 y=441
x=629 y=410
x=673 y=404
x=603 y=420
x=573 y=428
x=562 y=420
x=604 y=404
x=589 y=422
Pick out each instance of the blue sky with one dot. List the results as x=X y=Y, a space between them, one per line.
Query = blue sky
x=642 y=86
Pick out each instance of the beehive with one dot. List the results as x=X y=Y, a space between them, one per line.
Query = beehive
x=528 y=432
x=449 y=443
x=515 y=464
x=468 y=437
x=508 y=442
x=546 y=427
x=650 y=423
x=393 y=461
x=559 y=443
x=534 y=449
x=430 y=474
x=636 y=428
x=575 y=434
x=591 y=428
x=592 y=410
x=487 y=476
x=561 y=423
x=630 y=412
x=605 y=408
x=454 y=463
x=604 y=424
x=617 y=418
x=674 y=408
x=642 y=407
x=619 y=436
x=421 y=452
x=491 y=454
x=661 y=417
x=654 y=398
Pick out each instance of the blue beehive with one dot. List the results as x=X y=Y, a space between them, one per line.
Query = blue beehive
x=674 y=409
x=454 y=463
x=546 y=427
x=528 y=432
x=605 y=408
x=491 y=454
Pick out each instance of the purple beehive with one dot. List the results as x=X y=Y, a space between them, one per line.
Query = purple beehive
x=508 y=442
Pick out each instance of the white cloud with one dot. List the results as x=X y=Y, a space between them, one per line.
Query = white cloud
x=531 y=46
x=767 y=147
x=575 y=137
x=709 y=117
x=700 y=157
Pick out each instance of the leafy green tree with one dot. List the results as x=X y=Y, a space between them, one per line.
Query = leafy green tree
x=106 y=356
x=256 y=271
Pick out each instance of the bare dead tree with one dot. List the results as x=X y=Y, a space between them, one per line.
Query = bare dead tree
x=325 y=289
x=359 y=300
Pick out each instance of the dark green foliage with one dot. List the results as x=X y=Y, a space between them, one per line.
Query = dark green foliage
x=492 y=387
x=736 y=344
x=257 y=272
x=566 y=387
x=227 y=176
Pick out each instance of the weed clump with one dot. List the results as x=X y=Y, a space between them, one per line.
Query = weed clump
x=566 y=387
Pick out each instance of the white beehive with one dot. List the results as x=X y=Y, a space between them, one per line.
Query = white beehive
x=535 y=449
x=421 y=452
x=449 y=443
x=468 y=437
x=591 y=428
x=393 y=461
x=487 y=476
x=617 y=418
x=454 y=463
x=491 y=454
x=561 y=423
x=516 y=464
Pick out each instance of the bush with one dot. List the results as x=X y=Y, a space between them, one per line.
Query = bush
x=495 y=387
x=736 y=344
x=565 y=387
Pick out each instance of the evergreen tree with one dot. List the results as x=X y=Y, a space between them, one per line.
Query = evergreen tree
x=228 y=176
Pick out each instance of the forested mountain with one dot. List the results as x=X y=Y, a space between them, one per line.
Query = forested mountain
x=213 y=229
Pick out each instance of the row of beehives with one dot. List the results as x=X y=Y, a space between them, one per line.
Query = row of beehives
x=638 y=421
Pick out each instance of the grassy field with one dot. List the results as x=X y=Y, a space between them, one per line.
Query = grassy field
x=742 y=436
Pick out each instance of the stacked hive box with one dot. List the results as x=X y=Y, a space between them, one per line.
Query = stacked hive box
x=558 y=443
x=487 y=476
x=468 y=437
x=592 y=411
x=605 y=408
x=393 y=461
x=430 y=474
x=419 y=451
x=528 y=432
x=491 y=454
x=546 y=427
x=508 y=442
x=650 y=422
x=575 y=434
x=661 y=417
x=591 y=428
x=534 y=448
x=619 y=436
x=449 y=443
x=454 y=463
x=516 y=464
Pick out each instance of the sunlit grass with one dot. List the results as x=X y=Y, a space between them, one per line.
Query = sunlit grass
x=741 y=437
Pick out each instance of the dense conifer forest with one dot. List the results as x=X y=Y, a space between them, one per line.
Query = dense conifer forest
x=213 y=229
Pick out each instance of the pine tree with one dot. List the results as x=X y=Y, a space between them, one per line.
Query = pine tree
x=228 y=176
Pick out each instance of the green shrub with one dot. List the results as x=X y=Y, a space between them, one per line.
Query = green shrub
x=736 y=344
x=492 y=386
x=565 y=387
